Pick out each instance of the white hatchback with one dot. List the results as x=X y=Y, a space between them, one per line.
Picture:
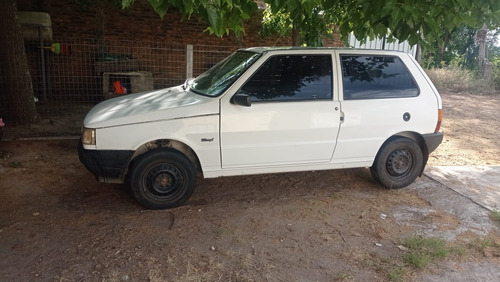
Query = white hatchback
x=267 y=110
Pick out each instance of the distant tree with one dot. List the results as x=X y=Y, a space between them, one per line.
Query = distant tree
x=16 y=88
x=459 y=48
x=495 y=59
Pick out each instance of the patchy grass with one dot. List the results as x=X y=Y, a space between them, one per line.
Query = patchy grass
x=495 y=216
x=486 y=246
x=155 y=275
x=15 y=165
x=397 y=273
x=343 y=277
x=423 y=251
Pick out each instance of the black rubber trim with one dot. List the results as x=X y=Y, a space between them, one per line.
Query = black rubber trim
x=106 y=165
x=433 y=140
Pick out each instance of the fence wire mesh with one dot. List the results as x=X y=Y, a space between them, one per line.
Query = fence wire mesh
x=74 y=74
x=75 y=70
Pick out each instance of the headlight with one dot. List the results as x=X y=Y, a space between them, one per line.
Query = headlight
x=88 y=136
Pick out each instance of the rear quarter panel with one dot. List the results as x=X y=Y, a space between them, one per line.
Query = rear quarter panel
x=369 y=122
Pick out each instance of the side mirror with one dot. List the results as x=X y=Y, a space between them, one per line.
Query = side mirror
x=242 y=100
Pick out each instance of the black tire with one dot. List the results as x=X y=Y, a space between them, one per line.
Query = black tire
x=398 y=163
x=162 y=178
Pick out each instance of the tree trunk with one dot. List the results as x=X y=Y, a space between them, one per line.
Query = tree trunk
x=442 y=48
x=16 y=88
x=418 y=54
x=296 y=40
x=485 y=67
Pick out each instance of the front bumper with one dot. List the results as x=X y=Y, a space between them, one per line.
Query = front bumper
x=108 y=166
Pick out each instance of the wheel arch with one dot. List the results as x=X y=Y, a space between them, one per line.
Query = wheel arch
x=170 y=144
x=416 y=137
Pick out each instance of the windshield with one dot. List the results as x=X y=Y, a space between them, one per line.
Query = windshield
x=217 y=79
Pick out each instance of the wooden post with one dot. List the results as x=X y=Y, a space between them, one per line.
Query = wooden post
x=485 y=67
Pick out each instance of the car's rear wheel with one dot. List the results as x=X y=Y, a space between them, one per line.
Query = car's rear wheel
x=398 y=163
x=162 y=178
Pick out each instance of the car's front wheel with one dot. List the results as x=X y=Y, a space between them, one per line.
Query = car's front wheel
x=162 y=178
x=398 y=163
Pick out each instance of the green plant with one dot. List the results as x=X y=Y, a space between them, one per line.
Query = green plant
x=496 y=69
x=397 y=273
x=343 y=277
x=495 y=216
x=219 y=232
x=15 y=164
x=423 y=251
x=481 y=245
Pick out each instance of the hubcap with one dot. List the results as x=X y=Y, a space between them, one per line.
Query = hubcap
x=164 y=180
x=399 y=163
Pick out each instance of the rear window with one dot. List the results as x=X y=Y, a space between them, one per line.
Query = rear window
x=376 y=77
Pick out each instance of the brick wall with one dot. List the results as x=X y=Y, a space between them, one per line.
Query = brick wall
x=140 y=22
x=158 y=44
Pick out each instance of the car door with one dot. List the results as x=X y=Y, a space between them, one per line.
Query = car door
x=293 y=117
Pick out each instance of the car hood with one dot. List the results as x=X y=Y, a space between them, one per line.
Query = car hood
x=163 y=104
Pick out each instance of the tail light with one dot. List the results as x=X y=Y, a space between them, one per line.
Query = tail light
x=440 y=118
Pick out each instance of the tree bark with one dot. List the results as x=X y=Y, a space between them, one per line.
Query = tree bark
x=442 y=48
x=16 y=88
x=296 y=40
x=485 y=67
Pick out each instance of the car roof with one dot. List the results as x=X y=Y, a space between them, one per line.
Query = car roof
x=296 y=48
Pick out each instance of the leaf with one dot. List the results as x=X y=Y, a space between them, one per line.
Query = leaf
x=329 y=4
x=127 y=3
x=160 y=7
x=215 y=20
x=396 y=15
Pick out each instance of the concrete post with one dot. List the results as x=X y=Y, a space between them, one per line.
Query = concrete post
x=189 y=61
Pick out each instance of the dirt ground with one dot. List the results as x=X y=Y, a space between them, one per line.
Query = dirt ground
x=58 y=224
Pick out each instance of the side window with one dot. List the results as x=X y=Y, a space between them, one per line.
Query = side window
x=376 y=77
x=291 y=78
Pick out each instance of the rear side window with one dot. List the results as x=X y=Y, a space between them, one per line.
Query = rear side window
x=291 y=78
x=376 y=77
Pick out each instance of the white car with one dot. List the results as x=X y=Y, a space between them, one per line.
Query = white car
x=268 y=110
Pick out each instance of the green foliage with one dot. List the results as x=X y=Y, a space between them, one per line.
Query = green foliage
x=276 y=23
x=421 y=22
x=495 y=60
x=458 y=48
x=397 y=274
x=306 y=17
x=485 y=246
x=222 y=16
x=495 y=216
x=15 y=164
x=423 y=251
x=416 y=21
